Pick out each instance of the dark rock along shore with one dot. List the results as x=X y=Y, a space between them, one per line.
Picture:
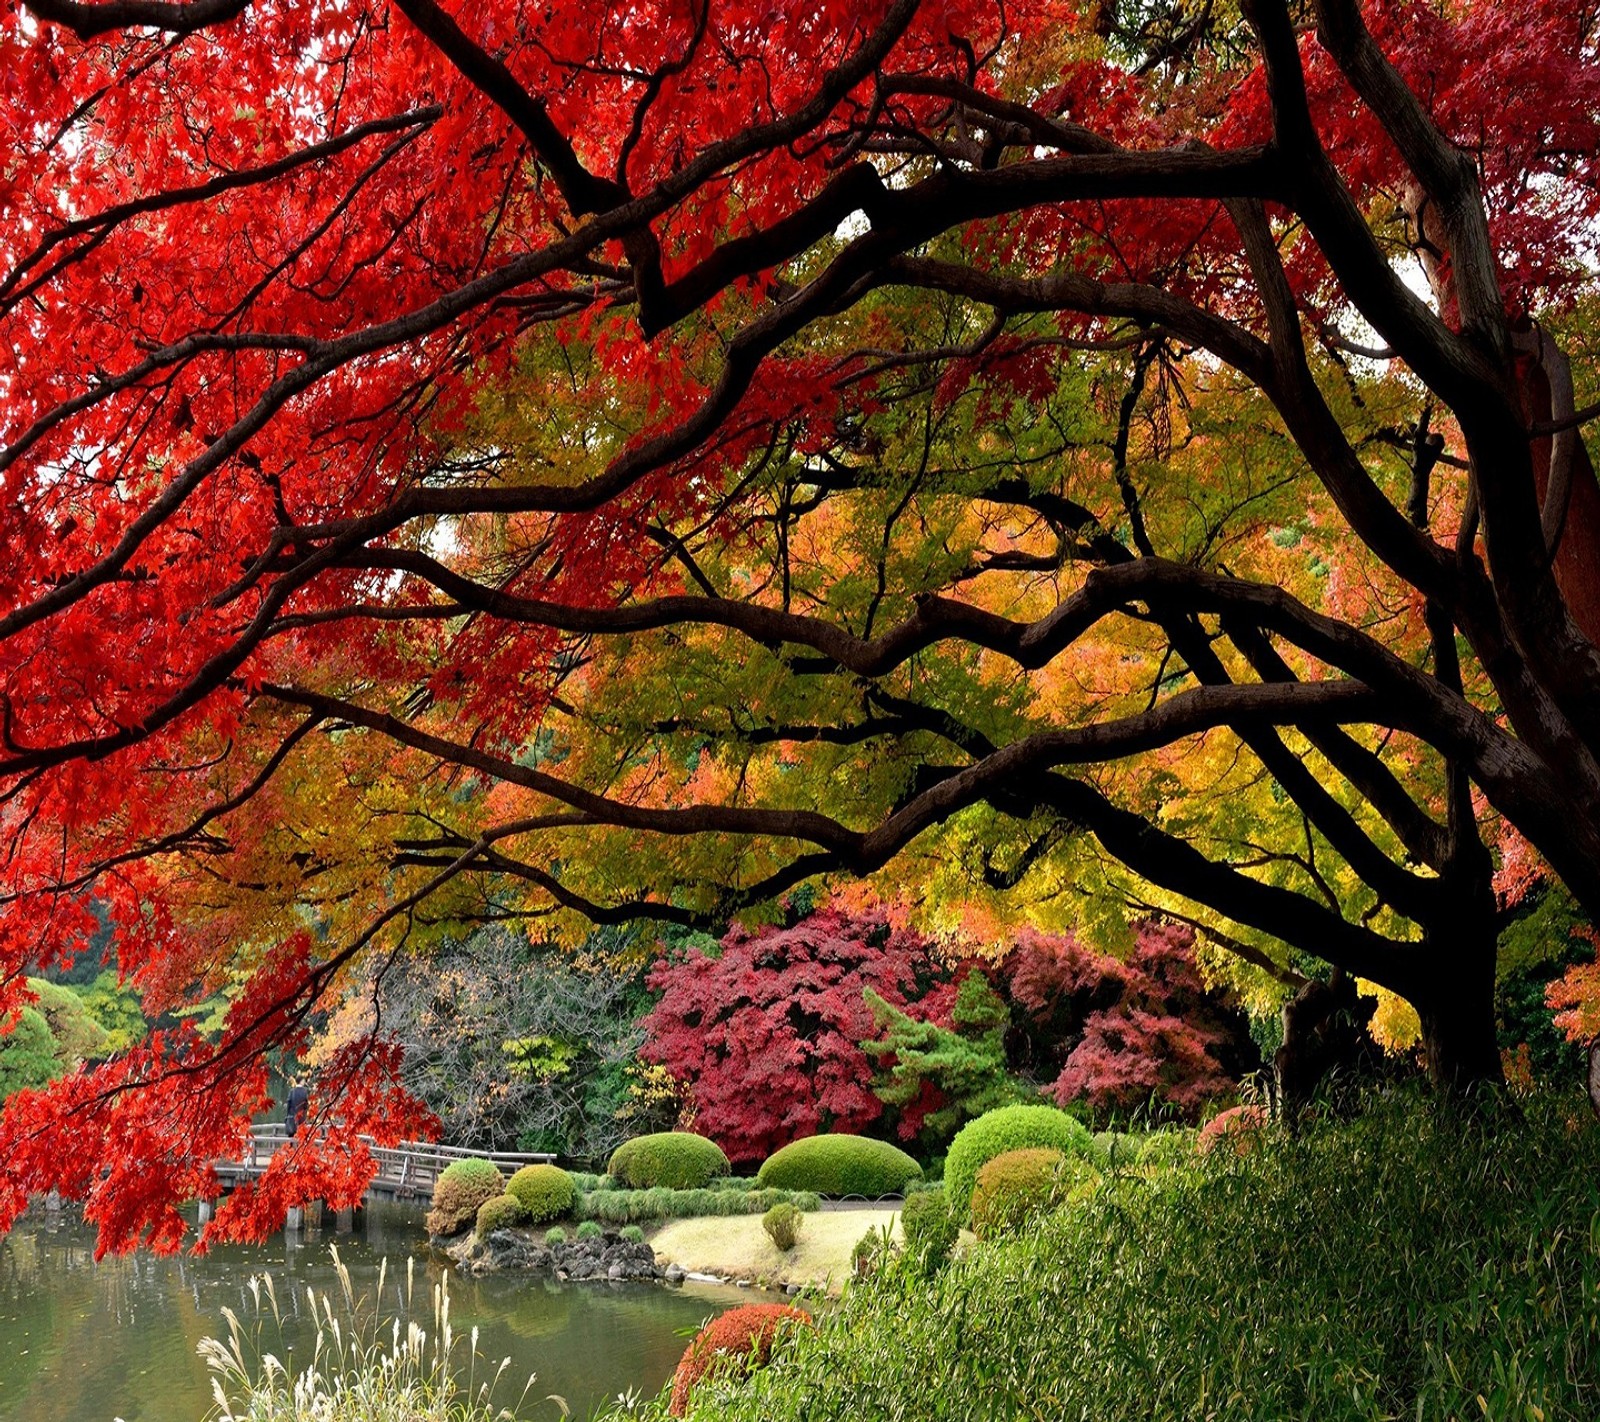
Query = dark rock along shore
x=606 y=1256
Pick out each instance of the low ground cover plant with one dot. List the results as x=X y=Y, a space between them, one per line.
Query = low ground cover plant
x=500 y=1212
x=1009 y=1128
x=840 y=1165
x=545 y=1192
x=676 y=1160
x=782 y=1224
x=1418 y=1261
x=459 y=1192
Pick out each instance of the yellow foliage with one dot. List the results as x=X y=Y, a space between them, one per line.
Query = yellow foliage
x=1395 y=1025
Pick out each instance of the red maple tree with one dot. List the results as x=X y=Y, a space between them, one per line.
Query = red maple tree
x=264 y=267
x=1138 y=1031
x=766 y=1034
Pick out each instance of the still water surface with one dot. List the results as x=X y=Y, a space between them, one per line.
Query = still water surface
x=87 y=1342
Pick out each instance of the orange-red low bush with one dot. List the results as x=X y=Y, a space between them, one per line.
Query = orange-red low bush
x=1240 y=1127
x=733 y=1344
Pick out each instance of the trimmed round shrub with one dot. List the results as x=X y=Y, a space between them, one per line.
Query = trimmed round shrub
x=545 y=1192
x=1013 y=1188
x=840 y=1165
x=555 y=1236
x=589 y=1230
x=731 y=1346
x=678 y=1160
x=782 y=1224
x=632 y=1233
x=498 y=1213
x=928 y=1230
x=462 y=1187
x=1240 y=1128
x=996 y=1132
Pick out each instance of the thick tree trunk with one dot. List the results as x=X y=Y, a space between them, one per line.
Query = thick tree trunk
x=1459 y=1039
x=1324 y=1029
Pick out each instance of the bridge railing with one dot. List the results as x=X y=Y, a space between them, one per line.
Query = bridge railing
x=414 y=1163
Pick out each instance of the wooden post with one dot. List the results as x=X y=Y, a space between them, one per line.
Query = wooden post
x=295 y=1220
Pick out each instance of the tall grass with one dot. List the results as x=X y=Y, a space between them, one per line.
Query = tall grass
x=364 y=1367
x=1416 y=1264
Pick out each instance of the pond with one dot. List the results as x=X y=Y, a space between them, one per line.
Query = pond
x=87 y=1342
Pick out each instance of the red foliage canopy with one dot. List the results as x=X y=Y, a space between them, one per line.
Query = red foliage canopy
x=1144 y=1028
x=766 y=1035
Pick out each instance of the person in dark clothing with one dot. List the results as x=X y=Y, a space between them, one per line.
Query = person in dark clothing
x=295 y=1108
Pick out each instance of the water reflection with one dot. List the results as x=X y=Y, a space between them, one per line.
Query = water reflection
x=87 y=1342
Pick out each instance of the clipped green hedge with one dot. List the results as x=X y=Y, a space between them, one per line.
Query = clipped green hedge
x=545 y=1192
x=498 y=1213
x=1012 y=1188
x=1009 y=1128
x=840 y=1165
x=458 y=1192
x=675 y=1160
x=633 y=1206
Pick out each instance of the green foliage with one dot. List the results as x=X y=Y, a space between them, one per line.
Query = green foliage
x=840 y=1165
x=928 y=1230
x=632 y=1233
x=116 y=1008
x=77 y=1035
x=1010 y=1128
x=782 y=1224
x=545 y=1192
x=501 y=1212
x=632 y=1206
x=1121 y=1150
x=555 y=1235
x=1013 y=1188
x=966 y=1063
x=28 y=1054
x=589 y=1230
x=458 y=1192
x=1420 y=1261
x=521 y=1048
x=1537 y=947
x=873 y=1252
x=677 y=1160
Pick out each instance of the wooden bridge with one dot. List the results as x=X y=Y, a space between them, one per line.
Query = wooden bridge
x=405 y=1172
